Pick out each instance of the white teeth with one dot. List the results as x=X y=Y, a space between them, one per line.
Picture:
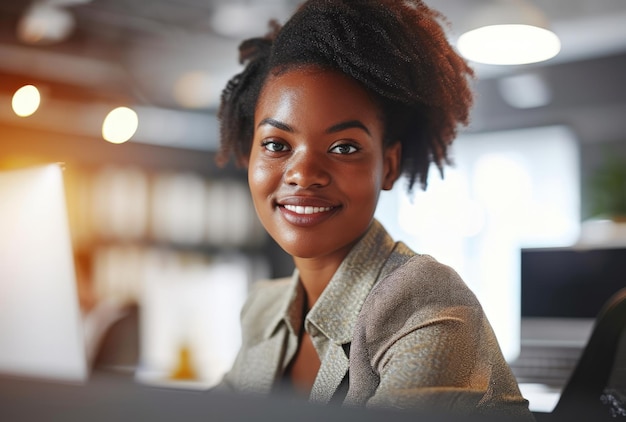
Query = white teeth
x=307 y=210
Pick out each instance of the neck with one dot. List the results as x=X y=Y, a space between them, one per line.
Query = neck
x=315 y=274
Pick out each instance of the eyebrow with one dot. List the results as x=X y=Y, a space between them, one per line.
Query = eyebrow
x=348 y=125
x=333 y=129
x=276 y=124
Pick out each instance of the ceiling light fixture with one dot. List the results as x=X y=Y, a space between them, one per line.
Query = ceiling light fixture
x=244 y=18
x=526 y=90
x=508 y=32
x=45 y=24
x=47 y=21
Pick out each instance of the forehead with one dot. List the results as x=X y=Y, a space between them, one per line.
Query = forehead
x=317 y=92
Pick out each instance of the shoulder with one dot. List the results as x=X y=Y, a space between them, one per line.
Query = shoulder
x=419 y=293
x=421 y=303
x=423 y=281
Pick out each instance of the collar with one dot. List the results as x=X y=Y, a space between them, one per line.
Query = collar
x=289 y=305
x=336 y=311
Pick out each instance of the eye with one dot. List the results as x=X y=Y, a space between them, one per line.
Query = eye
x=274 y=146
x=344 y=149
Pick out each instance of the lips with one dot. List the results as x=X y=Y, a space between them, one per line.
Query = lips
x=306 y=211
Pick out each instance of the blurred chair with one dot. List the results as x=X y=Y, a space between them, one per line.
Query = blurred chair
x=118 y=349
x=596 y=389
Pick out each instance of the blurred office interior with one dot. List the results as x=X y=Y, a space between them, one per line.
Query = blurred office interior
x=160 y=227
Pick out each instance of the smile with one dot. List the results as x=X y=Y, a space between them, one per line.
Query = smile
x=298 y=209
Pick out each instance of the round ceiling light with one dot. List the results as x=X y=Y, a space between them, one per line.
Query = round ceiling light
x=509 y=44
x=507 y=32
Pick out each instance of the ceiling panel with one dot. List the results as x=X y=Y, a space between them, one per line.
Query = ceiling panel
x=168 y=54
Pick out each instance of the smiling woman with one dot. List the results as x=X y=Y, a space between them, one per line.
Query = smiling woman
x=331 y=160
x=330 y=110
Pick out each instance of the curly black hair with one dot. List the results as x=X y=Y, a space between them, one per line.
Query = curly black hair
x=396 y=49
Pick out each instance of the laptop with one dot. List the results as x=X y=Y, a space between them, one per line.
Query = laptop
x=562 y=292
x=41 y=333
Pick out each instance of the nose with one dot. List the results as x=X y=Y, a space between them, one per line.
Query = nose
x=306 y=169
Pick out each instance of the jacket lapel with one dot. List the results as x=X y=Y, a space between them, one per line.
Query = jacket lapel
x=333 y=369
x=332 y=319
x=263 y=363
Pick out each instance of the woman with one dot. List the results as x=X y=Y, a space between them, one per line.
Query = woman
x=331 y=109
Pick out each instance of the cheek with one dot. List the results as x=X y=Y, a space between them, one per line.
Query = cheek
x=376 y=179
x=261 y=179
x=364 y=186
x=373 y=177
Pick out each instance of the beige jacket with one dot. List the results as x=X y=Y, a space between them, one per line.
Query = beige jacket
x=392 y=329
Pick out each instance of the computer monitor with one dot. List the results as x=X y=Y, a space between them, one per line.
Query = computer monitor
x=563 y=290
x=41 y=333
x=571 y=283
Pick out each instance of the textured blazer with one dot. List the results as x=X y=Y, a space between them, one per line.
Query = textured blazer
x=392 y=329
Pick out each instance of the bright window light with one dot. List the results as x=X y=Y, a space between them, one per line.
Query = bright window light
x=507 y=190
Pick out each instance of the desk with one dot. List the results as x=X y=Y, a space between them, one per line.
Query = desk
x=541 y=398
x=115 y=397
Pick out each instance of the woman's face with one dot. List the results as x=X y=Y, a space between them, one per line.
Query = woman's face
x=317 y=162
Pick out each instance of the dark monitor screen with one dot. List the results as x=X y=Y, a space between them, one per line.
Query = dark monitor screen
x=570 y=283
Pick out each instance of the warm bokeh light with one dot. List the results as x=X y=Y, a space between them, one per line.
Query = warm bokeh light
x=26 y=100
x=120 y=125
x=193 y=89
x=509 y=44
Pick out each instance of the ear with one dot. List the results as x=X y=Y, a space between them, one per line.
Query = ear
x=391 y=164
